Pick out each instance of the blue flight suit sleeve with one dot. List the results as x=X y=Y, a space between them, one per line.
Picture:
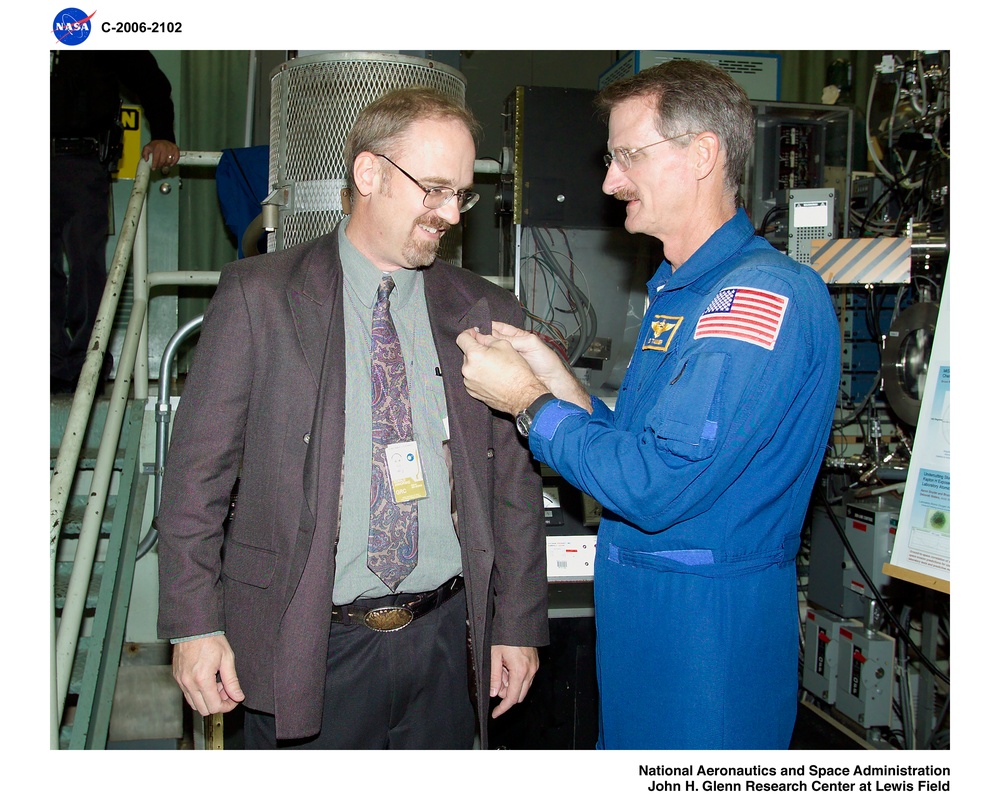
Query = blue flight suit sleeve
x=686 y=426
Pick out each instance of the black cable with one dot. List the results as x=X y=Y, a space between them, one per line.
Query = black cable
x=875 y=205
x=938 y=730
x=905 y=711
x=856 y=417
x=873 y=310
x=585 y=314
x=896 y=737
x=767 y=217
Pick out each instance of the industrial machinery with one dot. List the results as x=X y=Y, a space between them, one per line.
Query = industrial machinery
x=796 y=178
x=875 y=648
x=887 y=272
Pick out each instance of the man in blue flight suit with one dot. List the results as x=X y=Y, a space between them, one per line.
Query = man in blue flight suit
x=706 y=464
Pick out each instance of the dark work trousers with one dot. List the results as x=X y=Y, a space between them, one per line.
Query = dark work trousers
x=399 y=690
x=79 y=197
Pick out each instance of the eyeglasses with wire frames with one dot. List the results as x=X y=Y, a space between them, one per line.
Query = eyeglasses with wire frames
x=437 y=196
x=622 y=156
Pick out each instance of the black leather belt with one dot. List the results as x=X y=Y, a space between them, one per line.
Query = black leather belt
x=395 y=612
x=75 y=147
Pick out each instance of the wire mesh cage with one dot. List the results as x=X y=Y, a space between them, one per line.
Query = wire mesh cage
x=314 y=102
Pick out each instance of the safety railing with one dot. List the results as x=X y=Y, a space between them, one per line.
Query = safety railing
x=131 y=379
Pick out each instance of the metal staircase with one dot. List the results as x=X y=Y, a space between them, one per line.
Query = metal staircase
x=87 y=712
x=98 y=499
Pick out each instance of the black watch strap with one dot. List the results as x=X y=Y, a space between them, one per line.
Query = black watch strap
x=538 y=402
x=525 y=417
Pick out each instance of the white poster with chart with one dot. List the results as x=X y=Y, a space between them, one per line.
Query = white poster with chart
x=922 y=550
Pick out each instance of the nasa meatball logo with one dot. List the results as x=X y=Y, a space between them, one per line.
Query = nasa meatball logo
x=72 y=26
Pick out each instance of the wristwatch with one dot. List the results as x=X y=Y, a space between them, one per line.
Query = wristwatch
x=524 y=418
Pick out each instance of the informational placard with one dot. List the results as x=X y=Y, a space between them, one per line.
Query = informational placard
x=922 y=551
x=131 y=142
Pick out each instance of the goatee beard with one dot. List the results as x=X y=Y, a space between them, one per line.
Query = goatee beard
x=420 y=252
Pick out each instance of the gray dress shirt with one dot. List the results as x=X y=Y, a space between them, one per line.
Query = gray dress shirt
x=438 y=553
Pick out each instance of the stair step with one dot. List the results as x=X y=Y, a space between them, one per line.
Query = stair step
x=77 y=508
x=63 y=571
x=87 y=460
x=75 y=683
x=79 y=665
x=92 y=676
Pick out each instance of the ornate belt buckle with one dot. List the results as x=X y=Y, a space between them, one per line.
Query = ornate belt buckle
x=389 y=618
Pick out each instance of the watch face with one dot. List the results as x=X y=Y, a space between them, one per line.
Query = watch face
x=523 y=423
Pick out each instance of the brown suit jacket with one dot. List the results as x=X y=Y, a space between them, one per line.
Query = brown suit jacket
x=264 y=400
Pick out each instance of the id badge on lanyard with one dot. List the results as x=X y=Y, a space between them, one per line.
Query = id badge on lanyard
x=405 y=472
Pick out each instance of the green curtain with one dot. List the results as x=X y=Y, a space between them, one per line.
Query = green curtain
x=214 y=104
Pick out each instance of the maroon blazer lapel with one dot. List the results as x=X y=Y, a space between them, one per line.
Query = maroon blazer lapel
x=315 y=299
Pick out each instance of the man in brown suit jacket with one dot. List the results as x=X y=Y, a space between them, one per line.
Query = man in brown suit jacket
x=259 y=614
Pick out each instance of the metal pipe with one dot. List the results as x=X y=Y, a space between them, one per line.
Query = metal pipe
x=866 y=491
x=195 y=278
x=140 y=293
x=199 y=158
x=163 y=404
x=487 y=166
x=251 y=99
x=163 y=409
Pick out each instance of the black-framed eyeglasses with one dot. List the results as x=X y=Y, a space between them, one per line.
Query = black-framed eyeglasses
x=437 y=196
x=622 y=156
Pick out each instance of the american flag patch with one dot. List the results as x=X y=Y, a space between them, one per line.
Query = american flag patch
x=739 y=312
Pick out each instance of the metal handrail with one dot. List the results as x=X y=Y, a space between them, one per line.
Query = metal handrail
x=63 y=644
x=144 y=280
x=131 y=246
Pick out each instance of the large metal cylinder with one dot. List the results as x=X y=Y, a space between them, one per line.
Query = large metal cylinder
x=314 y=102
